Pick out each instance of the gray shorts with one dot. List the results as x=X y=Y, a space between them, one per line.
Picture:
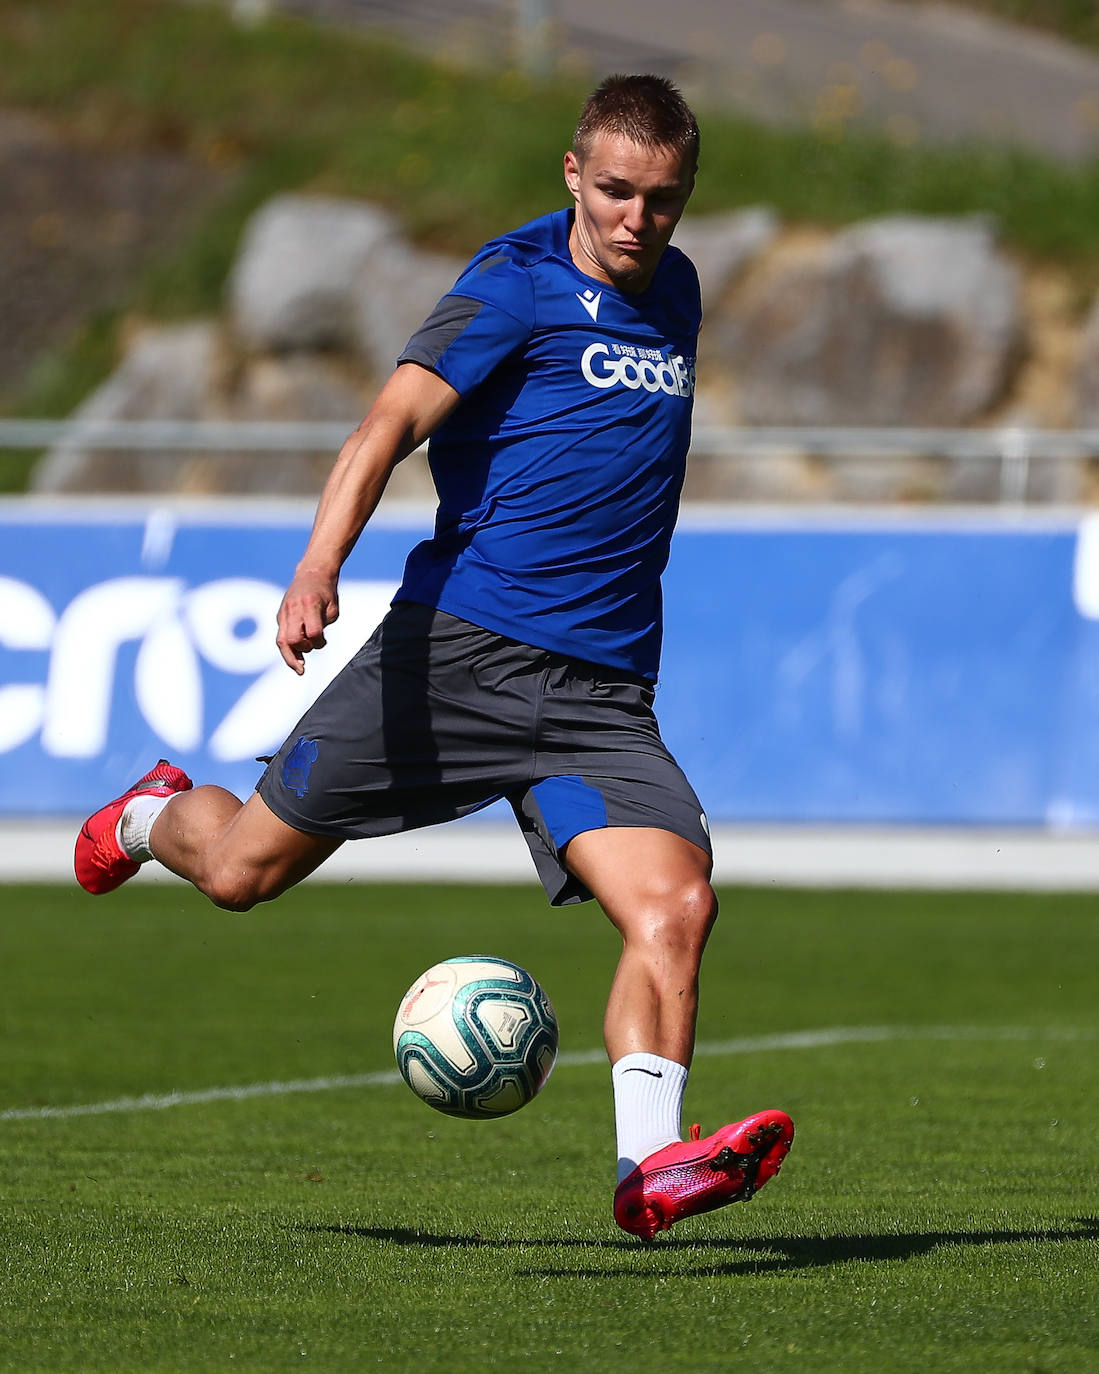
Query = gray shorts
x=435 y=718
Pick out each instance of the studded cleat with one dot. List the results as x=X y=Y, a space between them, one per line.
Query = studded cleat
x=694 y=1176
x=100 y=862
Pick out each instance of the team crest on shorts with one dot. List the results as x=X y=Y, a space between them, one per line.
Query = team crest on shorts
x=297 y=765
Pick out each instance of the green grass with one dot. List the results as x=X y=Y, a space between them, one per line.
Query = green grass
x=938 y=1209
x=1075 y=20
x=456 y=152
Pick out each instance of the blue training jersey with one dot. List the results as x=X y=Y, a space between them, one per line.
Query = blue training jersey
x=560 y=470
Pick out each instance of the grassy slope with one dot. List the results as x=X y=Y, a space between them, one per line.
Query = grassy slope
x=457 y=154
x=937 y=1211
x=1076 y=20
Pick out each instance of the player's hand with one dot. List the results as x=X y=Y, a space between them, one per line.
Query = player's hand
x=309 y=606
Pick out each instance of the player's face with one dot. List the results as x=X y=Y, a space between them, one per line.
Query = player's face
x=628 y=201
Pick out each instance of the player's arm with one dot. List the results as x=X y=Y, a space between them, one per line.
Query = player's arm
x=409 y=408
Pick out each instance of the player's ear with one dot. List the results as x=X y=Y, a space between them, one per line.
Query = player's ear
x=572 y=172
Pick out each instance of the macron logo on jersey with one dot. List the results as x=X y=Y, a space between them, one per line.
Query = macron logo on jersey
x=634 y=368
x=590 y=301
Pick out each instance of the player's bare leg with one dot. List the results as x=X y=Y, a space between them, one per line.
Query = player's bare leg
x=237 y=854
x=655 y=888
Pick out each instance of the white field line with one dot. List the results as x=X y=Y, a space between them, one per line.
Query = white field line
x=791 y=1040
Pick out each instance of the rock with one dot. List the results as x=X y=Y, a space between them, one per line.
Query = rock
x=899 y=321
x=394 y=296
x=304 y=387
x=317 y=273
x=169 y=373
x=1087 y=371
x=297 y=387
x=781 y=474
x=722 y=247
x=771 y=478
x=292 y=285
x=183 y=373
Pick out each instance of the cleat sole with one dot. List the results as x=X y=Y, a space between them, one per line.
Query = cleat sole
x=727 y=1159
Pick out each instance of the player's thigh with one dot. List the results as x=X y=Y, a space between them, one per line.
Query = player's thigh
x=263 y=855
x=428 y=722
x=647 y=880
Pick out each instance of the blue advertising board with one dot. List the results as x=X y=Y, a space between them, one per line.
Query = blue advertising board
x=880 y=669
x=898 y=671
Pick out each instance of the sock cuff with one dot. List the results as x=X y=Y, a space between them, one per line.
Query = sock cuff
x=651 y=1064
x=648 y=1104
x=135 y=823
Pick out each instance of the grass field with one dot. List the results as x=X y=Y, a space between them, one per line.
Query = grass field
x=938 y=1210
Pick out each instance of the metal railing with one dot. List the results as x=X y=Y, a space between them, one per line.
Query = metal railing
x=1014 y=448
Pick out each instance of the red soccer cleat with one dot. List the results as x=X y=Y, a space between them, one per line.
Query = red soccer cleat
x=694 y=1176
x=100 y=862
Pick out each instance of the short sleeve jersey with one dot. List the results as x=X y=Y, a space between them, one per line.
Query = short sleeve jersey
x=559 y=472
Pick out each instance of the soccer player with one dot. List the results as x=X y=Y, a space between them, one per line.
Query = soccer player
x=555 y=381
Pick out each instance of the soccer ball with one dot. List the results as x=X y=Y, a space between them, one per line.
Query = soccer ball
x=475 y=1036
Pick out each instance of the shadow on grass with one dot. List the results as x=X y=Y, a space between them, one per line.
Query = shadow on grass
x=776 y=1253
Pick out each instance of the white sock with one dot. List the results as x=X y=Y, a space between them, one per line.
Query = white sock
x=132 y=831
x=648 y=1104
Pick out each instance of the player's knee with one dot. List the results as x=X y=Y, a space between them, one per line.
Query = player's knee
x=235 y=888
x=682 y=916
x=230 y=895
x=698 y=908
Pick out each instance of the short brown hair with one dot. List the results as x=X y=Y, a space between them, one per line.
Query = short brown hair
x=647 y=109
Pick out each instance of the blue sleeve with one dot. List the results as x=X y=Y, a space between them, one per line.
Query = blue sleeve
x=485 y=318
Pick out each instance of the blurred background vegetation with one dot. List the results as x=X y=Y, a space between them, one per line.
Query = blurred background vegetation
x=457 y=153
x=1074 y=19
